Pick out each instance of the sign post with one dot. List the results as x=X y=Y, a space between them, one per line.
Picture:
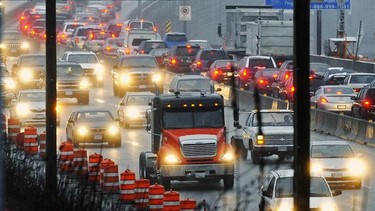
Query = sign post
x=185 y=15
x=314 y=4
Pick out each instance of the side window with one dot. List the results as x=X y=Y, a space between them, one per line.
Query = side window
x=249 y=119
x=362 y=93
x=346 y=80
x=271 y=187
x=64 y=57
x=71 y=117
x=318 y=91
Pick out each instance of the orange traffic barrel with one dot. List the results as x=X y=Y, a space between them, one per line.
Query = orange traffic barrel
x=104 y=162
x=3 y=123
x=156 y=197
x=14 y=128
x=30 y=144
x=127 y=185
x=19 y=140
x=110 y=179
x=80 y=165
x=94 y=168
x=42 y=145
x=141 y=192
x=188 y=205
x=171 y=201
x=66 y=157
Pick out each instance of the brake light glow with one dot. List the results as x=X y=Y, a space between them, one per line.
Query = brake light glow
x=366 y=103
x=62 y=35
x=91 y=36
x=103 y=11
x=22 y=17
x=119 y=24
x=127 y=28
x=113 y=35
x=357 y=89
x=286 y=76
x=279 y=64
x=173 y=61
x=199 y=64
x=274 y=75
x=244 y=73
x=155 y=29
x=292 y=89
x=188 y=46
x=127 y=51
x=108 y=48
x=323 y=100
x=67 y=7
x=261 y=81
x=25 y=27
x=217 y=72
x=142 y=51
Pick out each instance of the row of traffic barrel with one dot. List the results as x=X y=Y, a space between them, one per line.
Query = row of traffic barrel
x=102 y=173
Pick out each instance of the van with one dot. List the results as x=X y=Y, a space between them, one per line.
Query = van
x=133 y=38
x=137 y=24
x=175 y=38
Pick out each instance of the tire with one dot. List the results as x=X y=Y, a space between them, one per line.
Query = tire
x=240 y=150
x=255 y=157
x=228 y=182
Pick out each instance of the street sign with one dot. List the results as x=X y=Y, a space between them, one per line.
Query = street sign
x=314 y=4
x=185 y=13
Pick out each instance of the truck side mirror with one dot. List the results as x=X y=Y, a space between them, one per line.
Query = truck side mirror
x=237 y=125
x=336 y=192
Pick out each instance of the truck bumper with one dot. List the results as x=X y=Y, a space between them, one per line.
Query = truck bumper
x=274 y=150
x=66 y=93
x=197 y=171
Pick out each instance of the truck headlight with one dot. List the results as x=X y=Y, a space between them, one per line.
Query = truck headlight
x=82 y=131
x=125 y=78
x=171 y=159
x=26 y=75
x=156 y=78
x=22 y=109
x=328 y=207
x=3 y=46
x=113 y=130
x=99 y=70
x=316 y=167
x=25 y=45
x=260 y=139
x=357 y=167
x=227 y=156
x=84 y=84
x=10 y=84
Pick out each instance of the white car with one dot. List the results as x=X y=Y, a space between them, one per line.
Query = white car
x=277 y=192
x=89 y=62
x=132 y=108
x=358 y=80
x=30 y=107
x=337 y=162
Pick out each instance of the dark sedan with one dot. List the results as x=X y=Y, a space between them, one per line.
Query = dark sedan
x=93 y=126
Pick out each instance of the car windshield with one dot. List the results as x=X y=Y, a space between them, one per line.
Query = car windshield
x=261 y=63
x=362 y=79
x=138 y=100
x=139 y=62
x=137 y=41
x=226 y=64
x=331 y=151
x=69 y=70
x=176 y=38
x=194 y=85
x=184 y=51
x=93 y=116
x=197 y=118
x=115 y=41
x=153 y=45
x=213 y=55
x=33 y=61
x=82 y=58
x=318 y=187
x=338 y=90
x=32 y=97
x=158 y=52
x=270 y=119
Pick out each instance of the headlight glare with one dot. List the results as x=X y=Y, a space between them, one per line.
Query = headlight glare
x=3 y=46
x=113 y=129
x=25 y=45
x=26 y=75
x=227 y=156
x=22 y=109
x=285 y=207
x=328 y=207
x=10 y=84
x=357 y=167
x=171 y=159
x=156 y=78
x=125 y=78
x=84 y=84
x=131 y=112
x=82 y=131
x=316 y=167
x=99 y=70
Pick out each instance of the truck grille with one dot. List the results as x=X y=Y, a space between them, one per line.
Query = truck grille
x=278 y=139
x=141 y=78
x=12 y=46
x=199 y=149
x=97 y=130
x=68 y=85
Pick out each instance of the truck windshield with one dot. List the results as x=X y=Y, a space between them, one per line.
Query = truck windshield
x=202 y=118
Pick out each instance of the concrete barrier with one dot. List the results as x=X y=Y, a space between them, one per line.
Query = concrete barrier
x=360 y=66
x=369 y=138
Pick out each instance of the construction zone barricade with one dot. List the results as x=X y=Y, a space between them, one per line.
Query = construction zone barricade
x=94 y=169
x=3 y=123
x=80 y=165
x=109 y=182
x=30 y=144
x=188 y=205
x=171 y=201
x=42 y=145
x=14 y=128
x=141 y=191
x=66 y=158
x=20 y=137
x=127 y=186
x=156 y=197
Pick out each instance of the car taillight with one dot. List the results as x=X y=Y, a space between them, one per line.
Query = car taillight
x=274 y=75
x=44 y=36
x=142 y=51
x=217 y=72
x=127 y=51
x=286 y=76
x=67 y=7
x=155 y=29
x=292 y=89
x=109 y=6
x=62 y=35
x=245 y=72
x=127 y=28
x=113 y=35
x=323 y=99
x=33 y=32
x=25 y=27
x=108 y=48
x=366 y=103
x=103 y=11
x=91 y=36
x=262 y=81
x=260 y=67
x=260 y=139
x=279 y=64
x=173 y=61
x=199 y=64
x=22 y=18
x=357 y=89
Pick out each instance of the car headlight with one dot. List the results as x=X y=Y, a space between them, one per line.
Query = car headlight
x=84 y=84
x=25 y=45
x=171 y=159
x=26 y=75
x=316 y=167
x=227 y=156
x=3 y=46
x=82 y=131
x=357 y=167
x=156 y=78
x=328 y=207
x=10 y=84
x=285 y=207
x=22 y=109
x=113 y=130
x=132 y=112
x=125 y=78
x=99 y=70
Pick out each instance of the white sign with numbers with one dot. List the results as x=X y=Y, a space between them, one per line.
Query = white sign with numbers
x=185 y=13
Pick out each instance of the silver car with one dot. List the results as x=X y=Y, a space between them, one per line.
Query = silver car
x=335 y=98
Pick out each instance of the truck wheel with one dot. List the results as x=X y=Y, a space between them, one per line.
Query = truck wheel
x=228 y=182
x=166 y=183
x=255 y=157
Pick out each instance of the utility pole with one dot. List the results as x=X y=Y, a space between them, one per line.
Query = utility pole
x=301 y=182
x=319 y=32
x=51 y=165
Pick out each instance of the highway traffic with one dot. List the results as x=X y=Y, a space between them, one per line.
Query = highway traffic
x=249 y=176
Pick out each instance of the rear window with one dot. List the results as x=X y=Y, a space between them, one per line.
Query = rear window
x=114 y=28
x=71 y=27
x=145 y=25
x=39 y=23
x=362 y=79
x=176 y=38
x=100 y=35
x=153 y=45
x=371 y=95
x=261 y=63
x=136 y=42
x=184 y=51
x=338 y=90
x=213 y=55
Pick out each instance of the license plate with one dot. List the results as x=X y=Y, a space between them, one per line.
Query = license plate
x=341 y=106
x=229 y=74
x=336 y=175
x=39 y=116
x=281 y=149
x=98 y=137
x=68 y=93
x=200 y=175
x=142 y=86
